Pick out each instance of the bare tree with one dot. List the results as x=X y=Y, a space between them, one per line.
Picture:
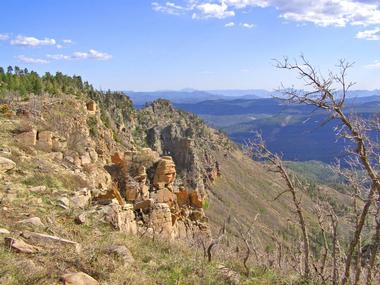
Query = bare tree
x=256 y=148
x=216 y=241
x=329 y=94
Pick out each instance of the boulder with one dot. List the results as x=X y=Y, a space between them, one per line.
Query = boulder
x=196 y=200
x=6 y=164
x=19 y=245
x=85 y=158
x=91 y=106
x=45 y=141
x=34 y=222
x=122 y=218
x=117 y=158
x=63 y=202
x=4 y=232
x=27 y=138
x=143 y=205
x=80 y=219
x=81 y=199
x=160 y=220
x=131 y=190
x=164 y=196
x=58 y=144
x=78 y=278
x=121 y=252
x=93 y=155
x=182 y=197
x=46 y=240
x=165 y=173
x=37 y=189
x=141 y=178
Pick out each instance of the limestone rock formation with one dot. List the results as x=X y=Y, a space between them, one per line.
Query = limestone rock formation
x=27 y=138
x=165 y=173
x=6 y=164
x=21 y=246
x=78 y=278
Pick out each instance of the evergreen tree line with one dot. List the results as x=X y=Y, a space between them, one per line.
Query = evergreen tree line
x=22 y=82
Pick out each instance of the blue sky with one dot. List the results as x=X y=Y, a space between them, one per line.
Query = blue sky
x=201 y=44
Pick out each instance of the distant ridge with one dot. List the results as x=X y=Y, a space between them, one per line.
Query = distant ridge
x=192 y=96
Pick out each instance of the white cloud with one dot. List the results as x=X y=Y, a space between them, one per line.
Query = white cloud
x=58 y=57
x=230 y=24
x=371 y=35
x=91 y=54
x=67 y=42
x=4 y=37
x=338 y=13
x=169 y=8
x=31 y=60
x=213 y=10
x=247 y=25
x=32 y=41
x=374 y=65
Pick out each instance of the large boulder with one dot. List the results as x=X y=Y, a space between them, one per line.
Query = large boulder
x=45 y=141
x=21 y=246
x=122 y=218
x=78 y=278
x=161 y=220
x=6 y=164
x=27 y=138
x=165 y=173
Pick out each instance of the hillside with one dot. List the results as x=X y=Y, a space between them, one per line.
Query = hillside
x=90 y=184
x=299 y=132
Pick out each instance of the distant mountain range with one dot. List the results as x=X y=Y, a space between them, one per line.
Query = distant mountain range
x=299 y=132
x=196 y=96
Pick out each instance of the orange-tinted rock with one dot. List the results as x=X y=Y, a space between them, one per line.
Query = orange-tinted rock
x=91 y=106
x=117 y=158
x=165 y=196
x=165 y=172
x=196 y=200
x=182 y=197
x=28 y=138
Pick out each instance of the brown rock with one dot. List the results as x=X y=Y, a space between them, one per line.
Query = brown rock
x=91 y=106
x=78 y=278
x=85 y=159
x=121 y=252
x=182 y=197
x=164 y=196
x=131 y=190
x=19 y=245
x=196 y=199
x=144 y=205
x=4 y=231
x=58 y=144
x=45 y=141
x=6 y=164
x=35 y=221
x=81 y=199
x=117 y=158
x=27 y=138
x=80 y=219
x=45 y=240
x=122 y=218
x=165 y=172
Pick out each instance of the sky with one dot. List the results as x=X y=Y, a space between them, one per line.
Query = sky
x=201 y=44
